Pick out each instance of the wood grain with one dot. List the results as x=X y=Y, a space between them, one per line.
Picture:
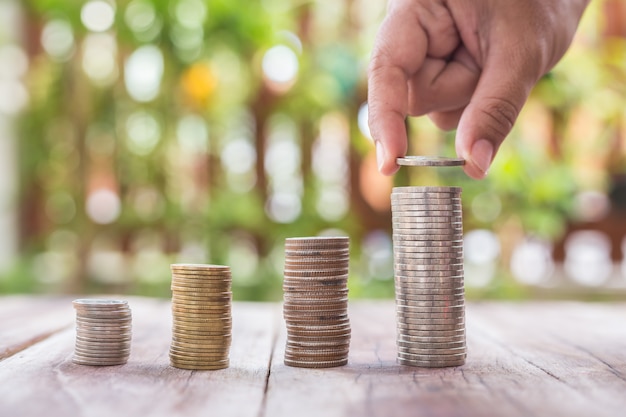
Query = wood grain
x=524 y=359
x=44 y=381
x=25 y=321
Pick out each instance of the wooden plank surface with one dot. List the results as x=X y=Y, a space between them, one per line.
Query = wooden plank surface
x=25 y=321
x=42 y=380
x=524 y=359
x=553 y=359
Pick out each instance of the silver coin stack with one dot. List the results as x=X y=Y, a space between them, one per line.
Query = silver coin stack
x=316 y=301
x=428 y=265
x=103 y=332
x=202 y=316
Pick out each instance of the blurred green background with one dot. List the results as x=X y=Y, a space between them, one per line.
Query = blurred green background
x=134 y=134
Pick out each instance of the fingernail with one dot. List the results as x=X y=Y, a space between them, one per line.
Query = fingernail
x=380 y=155
x=481 y=155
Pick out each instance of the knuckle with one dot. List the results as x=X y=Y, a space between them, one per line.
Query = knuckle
x=501 y=114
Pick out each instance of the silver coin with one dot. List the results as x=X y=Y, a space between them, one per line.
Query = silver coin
x=407 y=286
x=411 y=304
x=433 y=288
x=428 y=216
x=418 y=189
x=420 y=223
x=423 y=211
x=430 y=210
x=431 y=364
x=403 y=240
x=431 y=356
x=433 y=251
x=430 y=238
x=439 y=323
x=429 y=161
x=93 y=362
x=436 y=221
x=423 y=348
x=456 y=340
x=450 y=359
x=408 y=235
x=451 y=344
x=429 y=326
x=444 y=317
x=421 y=259
x=406 y=277
x=433 y=258
x=428 y=294
x=401 y=300
x=424 y=332
x=419 y=198
x=425 y=204
x=99 y=303
x=408 y=223
x=432 y=351
x=436 y=304
x=400 y=206
x=400 y=229
x=416 y=309
x=423 y=266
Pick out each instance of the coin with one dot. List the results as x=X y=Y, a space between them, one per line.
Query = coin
x=429 y=161
x=201 y=316
x=103 y=332
x=316 y=364
x=315 y=301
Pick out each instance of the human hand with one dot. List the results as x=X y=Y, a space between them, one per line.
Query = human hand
x=466 y=64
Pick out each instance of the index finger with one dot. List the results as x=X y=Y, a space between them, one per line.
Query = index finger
x=399 y=51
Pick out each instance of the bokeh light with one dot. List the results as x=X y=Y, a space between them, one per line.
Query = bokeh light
x=100 y=58
x=378 y=255
x=588 y=257
x=98 y=15
x=531 y=262
x=142 y=19
x=486 y=206
x=363 y=121
x=57 y=39
x=481 y=250
x=192 y=133
x=143 y=133
x=280 y=66
x=103 y=206
x=143 y=73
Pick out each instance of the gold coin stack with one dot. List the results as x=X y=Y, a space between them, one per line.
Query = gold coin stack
x=428 y=264
x=316 y=301
x=202 y=318
x=103 y=332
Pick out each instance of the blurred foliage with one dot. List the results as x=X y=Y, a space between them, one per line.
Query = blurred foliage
x=180 y=198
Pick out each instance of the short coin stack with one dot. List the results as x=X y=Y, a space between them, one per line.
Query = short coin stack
x=428 y=263
x=202 y=318
x=103 y=332
x=316 y=301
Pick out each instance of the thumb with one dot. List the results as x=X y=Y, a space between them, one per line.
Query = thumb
x=492 y=111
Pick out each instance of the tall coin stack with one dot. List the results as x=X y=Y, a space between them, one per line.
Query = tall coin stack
x=316 y=301
x=103 y=332
x=202 y=318
x=428 y=264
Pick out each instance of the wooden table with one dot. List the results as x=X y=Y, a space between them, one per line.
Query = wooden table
x=524 y=359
